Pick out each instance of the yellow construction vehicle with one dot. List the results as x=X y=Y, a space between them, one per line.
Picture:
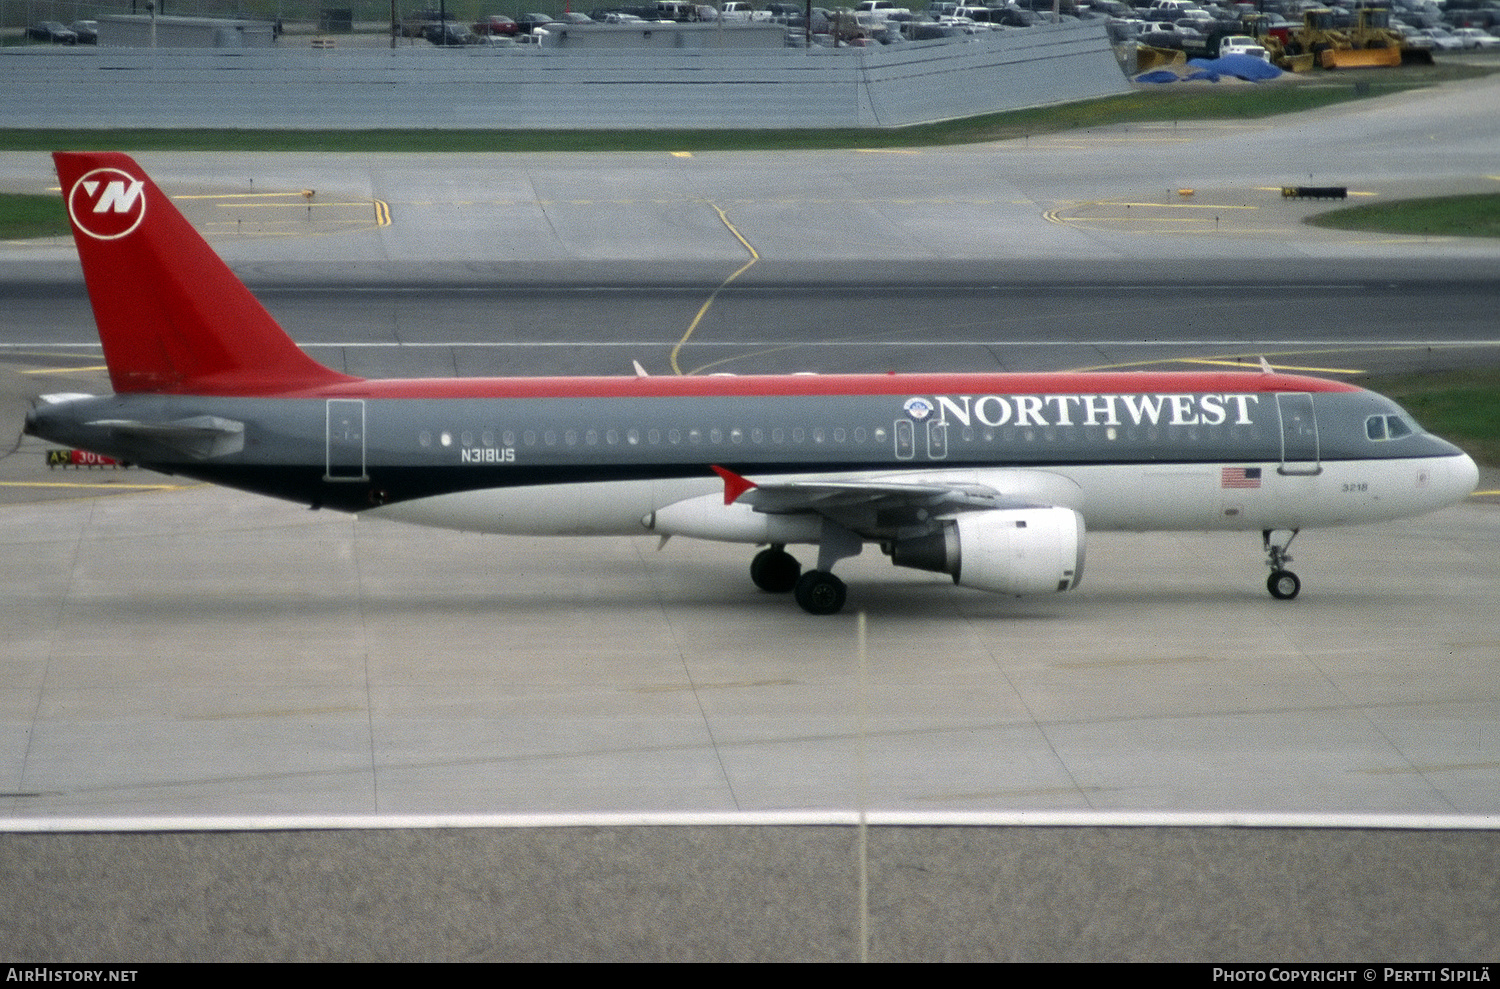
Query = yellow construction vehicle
x=1370 y=42
x=1373 y=32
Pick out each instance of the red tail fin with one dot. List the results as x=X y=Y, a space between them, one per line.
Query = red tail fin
x=172 y=317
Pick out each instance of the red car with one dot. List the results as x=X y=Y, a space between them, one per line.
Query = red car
x=497 y=24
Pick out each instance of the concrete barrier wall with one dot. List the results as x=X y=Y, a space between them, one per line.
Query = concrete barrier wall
x=536 y=88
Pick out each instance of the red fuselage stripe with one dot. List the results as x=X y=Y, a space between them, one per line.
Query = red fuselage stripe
x=831 y=385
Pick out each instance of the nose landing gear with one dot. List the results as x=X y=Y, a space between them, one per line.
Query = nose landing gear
x=1283 y=584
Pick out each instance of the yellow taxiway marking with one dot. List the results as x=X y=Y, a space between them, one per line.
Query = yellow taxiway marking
x=1275 y=367
x=682 y=154
x=1484 y=494
x=242 y=195
x=1251 y=360
x=322 y=204
x=708 y=303
x=108 y=485
x=1242 y=362
x=67 y=370
x=1110 y=202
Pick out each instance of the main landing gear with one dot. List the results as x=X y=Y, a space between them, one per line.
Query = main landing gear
x=818 y=592
x=1283 y=584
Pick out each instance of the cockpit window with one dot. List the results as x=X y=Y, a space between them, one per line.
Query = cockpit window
x=1387 y=428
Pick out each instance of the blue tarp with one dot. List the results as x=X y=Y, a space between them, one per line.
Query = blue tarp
x=1246 y=67
x=1240 y=66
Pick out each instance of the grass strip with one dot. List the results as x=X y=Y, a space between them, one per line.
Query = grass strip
x=1447 y=216
x=23 y=217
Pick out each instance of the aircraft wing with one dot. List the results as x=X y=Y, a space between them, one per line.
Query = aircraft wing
x=857 y=503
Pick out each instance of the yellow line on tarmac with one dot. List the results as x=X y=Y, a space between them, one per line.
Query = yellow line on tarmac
x=703 y=310
x=67 y=370
x=240 y=195
x=105 y=486
x=1277 y=367
x=321 y=204
x=1110 y=202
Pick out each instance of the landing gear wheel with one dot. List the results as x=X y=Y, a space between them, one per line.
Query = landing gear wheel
x=1283 y=585
x=774 y=570
x=820 y=593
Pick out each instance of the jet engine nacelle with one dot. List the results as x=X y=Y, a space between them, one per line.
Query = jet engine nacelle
x=1008 y=551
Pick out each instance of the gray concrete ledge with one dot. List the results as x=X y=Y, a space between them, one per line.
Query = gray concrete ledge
x=543 y=89
x=755 y=894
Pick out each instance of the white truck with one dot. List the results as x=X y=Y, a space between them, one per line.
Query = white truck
x=740 y=10
x=878 y=8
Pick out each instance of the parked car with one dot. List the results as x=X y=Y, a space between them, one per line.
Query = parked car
x=1443 y=40
x=496 y=24
x=52 y=31
x=417 y=23
x=1473 y=37
x=87 y=31
x=449 y=34
x=530 y=22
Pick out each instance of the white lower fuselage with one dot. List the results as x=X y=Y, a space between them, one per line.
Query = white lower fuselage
x=1128 y=497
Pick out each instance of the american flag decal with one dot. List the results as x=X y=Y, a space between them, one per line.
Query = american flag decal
x=1240 y=477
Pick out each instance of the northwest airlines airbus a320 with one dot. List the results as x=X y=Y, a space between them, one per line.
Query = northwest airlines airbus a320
x=989 y=478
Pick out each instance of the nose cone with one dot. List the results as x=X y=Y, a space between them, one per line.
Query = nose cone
x=1463 y=475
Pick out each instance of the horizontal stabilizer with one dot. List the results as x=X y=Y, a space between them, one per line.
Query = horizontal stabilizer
x=200 y=437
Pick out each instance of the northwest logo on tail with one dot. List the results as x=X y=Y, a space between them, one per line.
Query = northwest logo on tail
x=107 y=204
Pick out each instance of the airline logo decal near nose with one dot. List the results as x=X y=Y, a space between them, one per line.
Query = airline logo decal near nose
x=107 y=204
